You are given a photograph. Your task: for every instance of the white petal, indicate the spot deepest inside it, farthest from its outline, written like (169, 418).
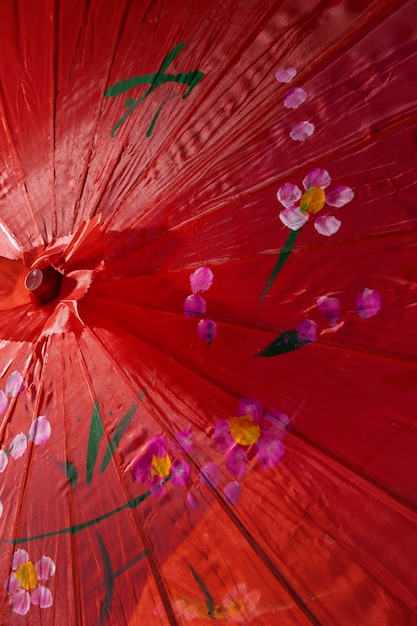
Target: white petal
(338, 196)
(302, 131)
(295, 97)
(285, 76)
(327, 225)
(317, 178)
(293, 218)
(289, 194)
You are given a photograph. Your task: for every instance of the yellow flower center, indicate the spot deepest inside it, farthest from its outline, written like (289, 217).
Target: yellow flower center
(312, 201)
(160, 466)
(26, 576)
(244, 431)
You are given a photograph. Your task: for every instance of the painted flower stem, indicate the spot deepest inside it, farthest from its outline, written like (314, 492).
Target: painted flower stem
(282, 257)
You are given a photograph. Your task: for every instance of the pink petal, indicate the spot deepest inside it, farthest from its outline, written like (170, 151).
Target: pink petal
(368, 303)
(222, 435)
(236, 461)
(293, 218)
(275, 424)
(3, 402)
(14, 384)
(42, 597)
(294, 98)
(317, 178)
(45, 568)
(19, 557)
(194, 306)
(158, 487)
(192, 501)
(40, 430)
(210, 475)
(327, 225)
(339, 196)
(288, 195)
(232, 492)
(1, 508)
(12, 584)
(142, 468)
(250, 406)
(302, 131)
(183, 439)
(180, 473)
(157, 446)
(201, 279)
(285, 76)
(331, 309)
(20, 602)
(18, 446)
(207, 330)
(269, 452)
(307, 331)
(4, 459)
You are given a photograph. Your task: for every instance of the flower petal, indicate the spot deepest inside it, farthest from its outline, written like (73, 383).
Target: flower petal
(331, 309)
(285, 76)
(20, 602)
(45, 568)
(269, 452)
(180, 473)
(192, 501)
(40, 430)
(210, 475)
(194, 306)
(317, 178)
(368, 303)
(307, 331)
(275, 424)
(236, 461)
(295, 97)
(289, 194)
(339, 196)
(42, 597)
(157, 446)
(222, 435)
(232, 492)
(183, 439)
(1, 508)
(18, 446)
(207, 330)
(14, 384)
(3, 402)
(19, 557)
(4, 459)
(302, 131)
(250, 406)
(201, 279)
(157, 487)
(327, 225)
(142, 468)
(293, 218)
(12, 584)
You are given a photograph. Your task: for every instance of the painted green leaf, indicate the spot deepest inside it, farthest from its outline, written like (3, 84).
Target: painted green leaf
(72, 473)
(203, 587)
(117, 436)
(286, 342)
(96, 433)
(282, 257)
(108, 581)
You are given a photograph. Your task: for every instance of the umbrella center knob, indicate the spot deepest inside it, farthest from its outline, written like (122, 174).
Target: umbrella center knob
(44, 284)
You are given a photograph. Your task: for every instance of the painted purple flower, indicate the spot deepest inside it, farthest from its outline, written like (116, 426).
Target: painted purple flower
(302, 131)
(201, 279)
(331, 309)
(40, 430)
(368, 303)
(285, 76)
(207, 330)
(295, 98)
(14, 384)
(298, 206)
(154, 466)
(23, 584)
(252, 432)
(194, 306)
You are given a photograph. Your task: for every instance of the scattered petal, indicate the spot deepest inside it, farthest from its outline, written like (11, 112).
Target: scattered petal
(222, 435)
(331, 309)
(368, 303)
(4, 459)
(317, 178)
(339, 196)
(19, 445)
(1, 508)
(40, 430)
(232, 492)
(302, 131)
(201, 279)
(269, 452)
(327, 225)
(180, 473)
(236, 461)
(14, 384)
(19, 557)
(192, 501)
(3, 402)
(307, 331)
(194, 306)
(20, 602)
(183, 439)
(275, 424)
(45, 568)
(210, 475)
(42, 597)
(207, 330)
(295, 98)
(293, 218)
(285, 76)
(250, 406)
(289, 194)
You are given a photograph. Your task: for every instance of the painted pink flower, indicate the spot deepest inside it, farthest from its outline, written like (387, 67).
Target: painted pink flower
(295, 98)
(154, 466)
(285, 76)
(240, 605)
(14, 384)
(302, 131)
(23, 584)
(251, 433)
(201, 279)
(298, 206)
(40, 430)
(368, 303)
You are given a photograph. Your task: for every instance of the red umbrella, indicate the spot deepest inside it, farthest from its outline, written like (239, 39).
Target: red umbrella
(207, 319)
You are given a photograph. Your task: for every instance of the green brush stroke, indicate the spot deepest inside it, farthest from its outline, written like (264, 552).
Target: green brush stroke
(108, 581)
(96, 433)
(72, 473)
(282, 257)
(207, 595)
(117, 436)
(286, 342)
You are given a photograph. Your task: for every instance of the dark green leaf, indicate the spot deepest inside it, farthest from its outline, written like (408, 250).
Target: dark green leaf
(96, 433)
(72, 473)
(286, 342)
(282, 257)
(203, 587)
(117, 436)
